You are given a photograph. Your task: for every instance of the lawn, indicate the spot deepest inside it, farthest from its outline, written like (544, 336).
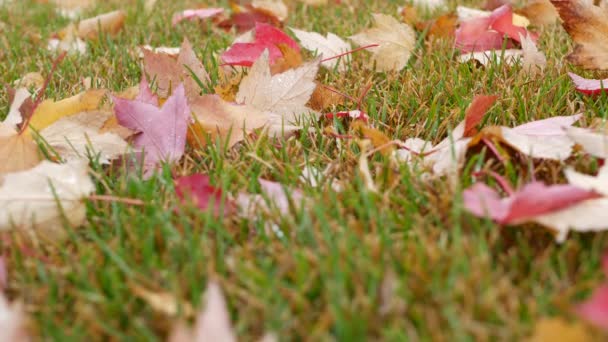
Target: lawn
(404, 263)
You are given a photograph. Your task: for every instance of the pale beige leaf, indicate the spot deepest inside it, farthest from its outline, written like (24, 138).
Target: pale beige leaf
(485, 58)
(12, 322)
(76, 136)
(328, 46)
(29, 199)
(533, 60)
(396, 42)
(163, 302)
(276, 7)
(594, 143)
(110, 23)
(284, 95)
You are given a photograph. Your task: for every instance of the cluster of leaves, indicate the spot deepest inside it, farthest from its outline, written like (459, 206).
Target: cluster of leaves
(269, 88)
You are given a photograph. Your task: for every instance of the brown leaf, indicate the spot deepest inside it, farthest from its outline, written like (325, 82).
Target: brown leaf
(291, 59)
(244, 18)
(442, 27)
(163, 302)
(377, 138)
(409, 15)
(558, 329)
(18, 152)
(540, 12)
(322, 98)
(110, 23)
(587, 24)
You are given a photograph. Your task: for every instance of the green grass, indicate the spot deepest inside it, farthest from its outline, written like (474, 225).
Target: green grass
(405, 264)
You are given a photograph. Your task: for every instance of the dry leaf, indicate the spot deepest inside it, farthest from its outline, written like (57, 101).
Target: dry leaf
(220, 119)
(110, 23)
(396, 42)
(328, 46)
(18, 152)
(212, 323)
(73, 137)
(587, 24)
(49, 111)
(557, 329)
(540, 12)
(592, 142)
(276, 7)
(283, 95)
(42, 197)
(163, 302)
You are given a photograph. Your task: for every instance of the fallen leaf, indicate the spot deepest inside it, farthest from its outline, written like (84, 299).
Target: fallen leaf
(443, 26)
(533, 60)
(266, 37)
(164, 302)
(328, 46)
(557, 329)
(486, 58)
(540, 12)
(199, 13)
(595, 309)
(197, 189)
(18, 152)
(273, 195)
(19, 98)
(230, 122)
(396, 42)
(430, 5)
(322, 99)
(487, 33)
(167, 72)
(467, 13)
(50, 111)
(546, 139)
(44, 196)
(75, 136)
(593, 142)
(275, 7)
(587, 24)
(212, 323)
(171, 51)
(13, 322)
(283, 95)
(162, 130)
(109, 23)
(588, 86)
(247, 17)
(291, 59)
(68, 41)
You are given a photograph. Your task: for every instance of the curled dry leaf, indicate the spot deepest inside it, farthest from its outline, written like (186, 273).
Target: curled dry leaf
(587, 24)
(199, 13)
(162, 130)
(45, 197)
(395, 42)
(588, 86)
(163, 302)
(328, 46)
(212, 323)
(283, 95)
(75, 136)
(109, 23)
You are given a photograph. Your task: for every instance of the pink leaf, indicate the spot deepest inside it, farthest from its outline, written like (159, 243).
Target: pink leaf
(533, 200)
(191, 14)
(487, 33)
(198, 190)
(162, 130)
(145, 94)
(595, 309)
(266, 37)
(588, 86)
